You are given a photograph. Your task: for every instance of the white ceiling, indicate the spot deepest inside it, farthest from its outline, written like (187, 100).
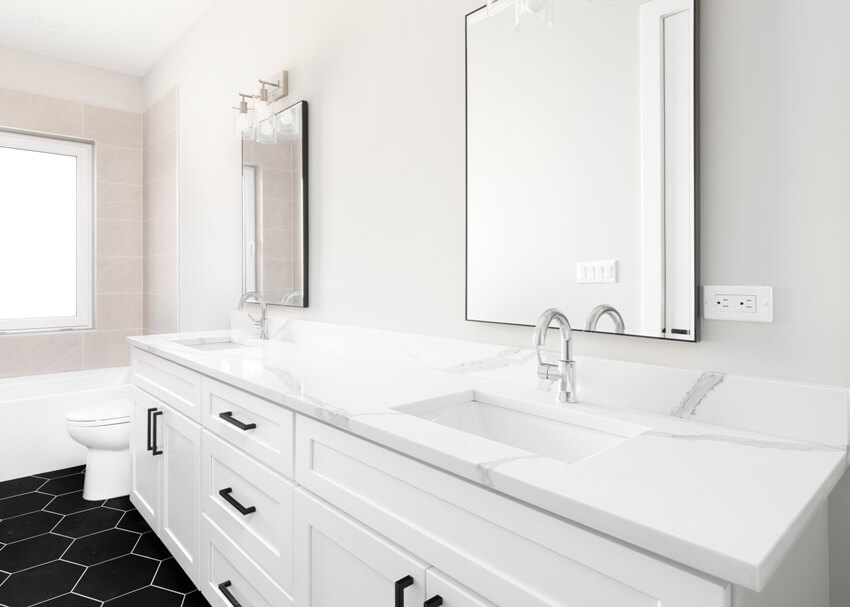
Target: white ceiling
(127, 36)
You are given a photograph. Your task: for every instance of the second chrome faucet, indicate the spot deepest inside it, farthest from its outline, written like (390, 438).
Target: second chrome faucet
(565, 370)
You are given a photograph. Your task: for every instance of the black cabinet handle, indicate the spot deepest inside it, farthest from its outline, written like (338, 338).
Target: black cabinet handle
(223, 588)
(154, 448)
(226, 494)
(400, 585)
(150, 442)
(228, 417)
(434, 601)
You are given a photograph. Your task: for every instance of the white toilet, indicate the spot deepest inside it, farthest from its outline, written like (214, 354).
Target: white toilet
(104, 428)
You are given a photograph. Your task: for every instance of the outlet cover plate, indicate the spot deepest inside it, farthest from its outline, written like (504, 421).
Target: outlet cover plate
(738, 303)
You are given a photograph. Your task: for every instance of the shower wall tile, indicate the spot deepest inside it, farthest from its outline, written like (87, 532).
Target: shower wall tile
(117, 138)
(112, 127)
(107, 348)
(41, 114)
(40, 353)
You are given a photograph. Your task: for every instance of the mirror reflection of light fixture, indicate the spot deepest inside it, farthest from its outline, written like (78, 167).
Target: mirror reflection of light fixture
(530, 14)
(256, 120)
(287, 124)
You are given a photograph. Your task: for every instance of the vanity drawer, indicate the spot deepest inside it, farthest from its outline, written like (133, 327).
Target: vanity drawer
(497, 547)
(174, 385)
(265, 533)
(226, 409)
(225, 568)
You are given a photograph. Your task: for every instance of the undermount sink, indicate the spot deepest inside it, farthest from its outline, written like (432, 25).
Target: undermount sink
(558, 433)
(209, 343)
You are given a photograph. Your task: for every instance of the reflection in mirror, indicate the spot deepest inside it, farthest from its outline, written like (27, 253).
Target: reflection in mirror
(274, 209)
(580, 167)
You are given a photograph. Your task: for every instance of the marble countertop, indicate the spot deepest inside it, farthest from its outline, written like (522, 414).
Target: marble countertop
(728, 502)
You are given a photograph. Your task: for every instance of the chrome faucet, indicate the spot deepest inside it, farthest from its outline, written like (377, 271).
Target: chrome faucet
(261, 324)
(565, 370)
(600, 311)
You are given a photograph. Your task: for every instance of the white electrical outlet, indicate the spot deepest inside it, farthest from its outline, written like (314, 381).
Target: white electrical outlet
(740, 303)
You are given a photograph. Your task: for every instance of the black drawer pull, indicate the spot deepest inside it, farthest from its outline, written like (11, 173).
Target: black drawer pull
(223, 588)
(228, 417)
(400, 585)
(226, 494)
(150, 442)
(434, 601)
(154, 448)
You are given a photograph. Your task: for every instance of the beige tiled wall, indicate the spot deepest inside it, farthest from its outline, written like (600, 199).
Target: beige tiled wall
(118, 232)
(160, 216)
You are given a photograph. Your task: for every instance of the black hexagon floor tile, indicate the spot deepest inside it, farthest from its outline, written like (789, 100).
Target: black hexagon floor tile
(71, 600)
(133, 521)
(195, 599)
(39, 583)
(116, 577)
(99, 547)
(120, 503)
(87, 522)
(71, 503)
(61, 473)
(63, 485)
(146, 597)
(34, 551)
(17, 486)
(27, 525)
(56, 548)
(22, 504)
(172, 577)
(150, 546)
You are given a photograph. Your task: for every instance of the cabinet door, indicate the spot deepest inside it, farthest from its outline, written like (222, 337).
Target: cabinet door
(181, 489)
(338, 562)
(443, 591)
(146, 467)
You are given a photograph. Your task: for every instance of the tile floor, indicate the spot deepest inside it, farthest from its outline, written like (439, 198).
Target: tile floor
(57, 550)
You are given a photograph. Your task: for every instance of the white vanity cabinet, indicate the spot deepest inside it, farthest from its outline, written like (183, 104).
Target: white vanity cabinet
(505, 552)
(166, 455)
(265, 507)
(166, 458)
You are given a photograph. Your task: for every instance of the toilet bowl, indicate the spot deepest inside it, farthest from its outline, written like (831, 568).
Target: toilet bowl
(104, 428)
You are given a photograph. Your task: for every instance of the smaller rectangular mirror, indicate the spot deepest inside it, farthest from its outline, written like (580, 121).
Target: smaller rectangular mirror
(274, 208)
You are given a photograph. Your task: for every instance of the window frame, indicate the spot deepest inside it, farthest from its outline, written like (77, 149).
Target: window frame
(83, 151)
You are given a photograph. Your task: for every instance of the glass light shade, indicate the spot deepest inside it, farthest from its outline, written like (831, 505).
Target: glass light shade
(534, 15)
(264, 110)
(243, 123)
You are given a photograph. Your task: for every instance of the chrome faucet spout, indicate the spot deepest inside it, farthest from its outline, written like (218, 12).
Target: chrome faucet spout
(260, 323)
(564, 371)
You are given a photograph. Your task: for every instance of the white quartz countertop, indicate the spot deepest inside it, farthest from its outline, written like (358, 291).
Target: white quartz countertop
(727, 502)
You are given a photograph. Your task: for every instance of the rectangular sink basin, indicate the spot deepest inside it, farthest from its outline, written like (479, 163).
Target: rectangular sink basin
(209, 343)
(549, 431)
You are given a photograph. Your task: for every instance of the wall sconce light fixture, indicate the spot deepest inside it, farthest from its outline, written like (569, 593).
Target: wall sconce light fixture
(255, 118)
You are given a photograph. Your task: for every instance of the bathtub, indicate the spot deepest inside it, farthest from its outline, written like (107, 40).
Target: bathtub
(32, 417)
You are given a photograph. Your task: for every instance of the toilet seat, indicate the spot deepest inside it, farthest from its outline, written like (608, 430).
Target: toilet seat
(107, 413)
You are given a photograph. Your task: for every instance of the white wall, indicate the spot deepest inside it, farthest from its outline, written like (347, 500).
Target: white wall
(385, 80)
(40, 75)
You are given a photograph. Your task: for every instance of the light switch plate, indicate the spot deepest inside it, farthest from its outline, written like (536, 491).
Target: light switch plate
(738, 303)
(596, 271)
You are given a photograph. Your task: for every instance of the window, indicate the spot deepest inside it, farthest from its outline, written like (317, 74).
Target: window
(45, 233)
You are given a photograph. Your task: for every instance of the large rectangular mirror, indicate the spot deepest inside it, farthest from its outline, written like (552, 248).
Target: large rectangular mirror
(274, 208)
(581, 165)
